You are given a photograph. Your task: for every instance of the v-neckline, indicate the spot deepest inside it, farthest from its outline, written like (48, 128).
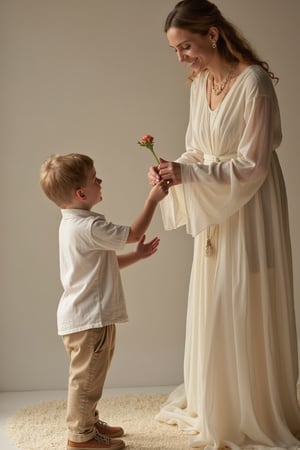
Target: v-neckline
(238, 78)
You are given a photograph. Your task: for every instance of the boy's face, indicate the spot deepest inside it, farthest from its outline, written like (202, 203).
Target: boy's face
(92, 193)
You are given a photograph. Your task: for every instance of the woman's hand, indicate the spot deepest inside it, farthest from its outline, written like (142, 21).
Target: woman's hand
(170, 172)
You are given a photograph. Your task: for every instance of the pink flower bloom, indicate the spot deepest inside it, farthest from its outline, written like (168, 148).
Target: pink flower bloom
(148, 141)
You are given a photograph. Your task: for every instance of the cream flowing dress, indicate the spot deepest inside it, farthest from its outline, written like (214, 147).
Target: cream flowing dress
(240, 363)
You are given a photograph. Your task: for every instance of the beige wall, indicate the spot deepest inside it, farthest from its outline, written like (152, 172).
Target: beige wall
(92, 76)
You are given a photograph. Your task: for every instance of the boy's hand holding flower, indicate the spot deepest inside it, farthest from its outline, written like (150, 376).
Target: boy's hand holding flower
(167, 171)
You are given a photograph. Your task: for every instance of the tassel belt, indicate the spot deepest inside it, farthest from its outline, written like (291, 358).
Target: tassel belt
(212, 230)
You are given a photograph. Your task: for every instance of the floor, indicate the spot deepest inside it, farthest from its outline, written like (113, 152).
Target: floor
(10, 402)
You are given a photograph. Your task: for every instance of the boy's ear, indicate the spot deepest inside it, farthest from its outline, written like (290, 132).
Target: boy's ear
(79, 194)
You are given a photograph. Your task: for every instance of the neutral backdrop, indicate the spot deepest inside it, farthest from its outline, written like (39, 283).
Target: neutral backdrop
(92, 76)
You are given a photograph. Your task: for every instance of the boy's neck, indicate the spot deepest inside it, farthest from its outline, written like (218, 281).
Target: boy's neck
(78, 205)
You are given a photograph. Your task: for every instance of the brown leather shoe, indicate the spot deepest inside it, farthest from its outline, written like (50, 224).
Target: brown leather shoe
(98, 441)
(107, 430)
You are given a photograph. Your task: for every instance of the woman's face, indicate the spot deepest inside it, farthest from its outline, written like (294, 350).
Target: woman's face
(191, 48)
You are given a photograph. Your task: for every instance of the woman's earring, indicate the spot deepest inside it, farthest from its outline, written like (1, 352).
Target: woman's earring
(214, 44)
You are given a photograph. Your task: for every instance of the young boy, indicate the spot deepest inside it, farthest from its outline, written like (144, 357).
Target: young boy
(93, 300)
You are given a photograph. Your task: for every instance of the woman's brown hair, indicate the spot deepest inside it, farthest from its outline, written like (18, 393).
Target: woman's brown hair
(198, 16)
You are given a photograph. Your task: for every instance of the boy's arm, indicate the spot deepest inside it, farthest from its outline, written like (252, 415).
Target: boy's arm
(143, 250)
(142, 222)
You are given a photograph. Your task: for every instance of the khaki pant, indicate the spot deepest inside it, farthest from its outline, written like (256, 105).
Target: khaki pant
(90, 354)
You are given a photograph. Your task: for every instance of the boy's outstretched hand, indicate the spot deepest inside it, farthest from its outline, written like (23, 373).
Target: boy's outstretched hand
(144, 250)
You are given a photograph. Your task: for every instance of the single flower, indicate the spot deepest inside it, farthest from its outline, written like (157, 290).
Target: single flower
(148, 142)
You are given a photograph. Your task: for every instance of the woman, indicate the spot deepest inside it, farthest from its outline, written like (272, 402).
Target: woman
(240, 365)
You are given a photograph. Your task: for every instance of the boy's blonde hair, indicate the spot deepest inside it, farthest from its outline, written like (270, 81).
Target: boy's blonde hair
(61, 175)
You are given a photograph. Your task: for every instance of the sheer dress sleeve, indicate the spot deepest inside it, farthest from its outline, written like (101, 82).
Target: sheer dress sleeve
(211, 192)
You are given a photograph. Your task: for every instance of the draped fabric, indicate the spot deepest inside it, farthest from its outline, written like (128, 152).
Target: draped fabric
(240, 363)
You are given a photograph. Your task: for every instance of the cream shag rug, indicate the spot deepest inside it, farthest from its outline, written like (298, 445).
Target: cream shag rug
(42, 426)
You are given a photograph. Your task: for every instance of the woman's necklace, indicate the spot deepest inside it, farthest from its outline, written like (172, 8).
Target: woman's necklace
(218, 88)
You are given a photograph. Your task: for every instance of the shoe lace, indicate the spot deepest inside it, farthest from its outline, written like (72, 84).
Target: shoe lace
(101, 438)
(104, 424)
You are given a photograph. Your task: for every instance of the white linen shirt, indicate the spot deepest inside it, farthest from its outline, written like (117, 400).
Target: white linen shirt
(93, 295)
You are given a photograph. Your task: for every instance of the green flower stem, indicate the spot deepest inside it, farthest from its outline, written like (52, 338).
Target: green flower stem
(149, 145)
(155, 156)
